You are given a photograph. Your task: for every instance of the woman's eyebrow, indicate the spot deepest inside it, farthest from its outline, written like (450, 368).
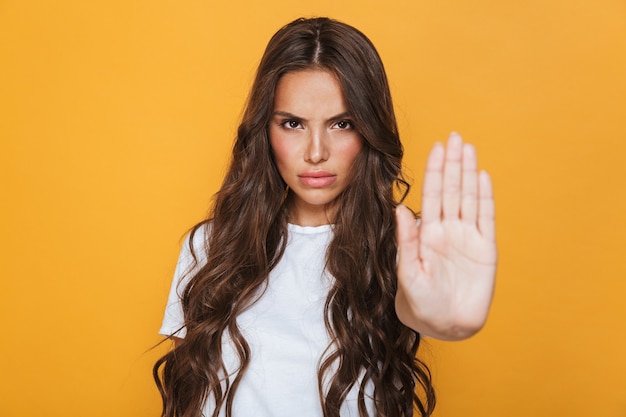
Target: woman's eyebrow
(344, 115)
(288, 115)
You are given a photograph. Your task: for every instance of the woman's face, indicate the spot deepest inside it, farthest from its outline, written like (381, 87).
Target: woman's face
(314, 142)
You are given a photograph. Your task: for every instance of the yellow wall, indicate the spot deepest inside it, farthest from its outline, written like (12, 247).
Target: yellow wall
(116, 118)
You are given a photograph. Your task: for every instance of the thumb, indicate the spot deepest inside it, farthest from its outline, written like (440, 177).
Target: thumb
(407, 237)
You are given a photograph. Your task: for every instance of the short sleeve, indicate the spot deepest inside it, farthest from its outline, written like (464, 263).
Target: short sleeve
(173, 319)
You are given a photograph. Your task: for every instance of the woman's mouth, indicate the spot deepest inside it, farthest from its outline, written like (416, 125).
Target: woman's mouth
(317, 178)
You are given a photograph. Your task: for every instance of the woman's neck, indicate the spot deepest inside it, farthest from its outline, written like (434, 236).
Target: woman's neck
(307, 215)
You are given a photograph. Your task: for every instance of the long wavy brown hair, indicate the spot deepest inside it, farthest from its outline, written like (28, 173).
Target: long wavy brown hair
(369, 345)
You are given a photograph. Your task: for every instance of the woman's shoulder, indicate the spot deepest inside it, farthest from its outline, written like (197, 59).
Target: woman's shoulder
(193, 251)
(198, 235)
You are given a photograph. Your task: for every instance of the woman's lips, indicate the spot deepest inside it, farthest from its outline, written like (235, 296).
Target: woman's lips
(317, 178)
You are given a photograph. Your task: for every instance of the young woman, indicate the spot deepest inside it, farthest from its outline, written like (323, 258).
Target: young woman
(307, 291)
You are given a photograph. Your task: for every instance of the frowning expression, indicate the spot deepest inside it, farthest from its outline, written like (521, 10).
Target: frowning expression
(314, 142)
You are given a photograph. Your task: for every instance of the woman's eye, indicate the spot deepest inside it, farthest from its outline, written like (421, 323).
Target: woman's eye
(291, 124)
(344, 125)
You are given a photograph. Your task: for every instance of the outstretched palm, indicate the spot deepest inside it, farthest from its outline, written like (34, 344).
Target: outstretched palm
(447, 262)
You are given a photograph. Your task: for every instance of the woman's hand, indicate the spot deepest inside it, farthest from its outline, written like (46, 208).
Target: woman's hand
(447, 262)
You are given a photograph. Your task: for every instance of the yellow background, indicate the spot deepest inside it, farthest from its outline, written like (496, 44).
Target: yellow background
(116, 119)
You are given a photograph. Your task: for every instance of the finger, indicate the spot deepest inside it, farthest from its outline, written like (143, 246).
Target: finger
(486, 207)
(406, 236)
(431, 190)
(452, 178)
(469, 185)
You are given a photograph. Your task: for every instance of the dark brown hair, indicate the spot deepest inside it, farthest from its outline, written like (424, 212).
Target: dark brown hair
(248, 236)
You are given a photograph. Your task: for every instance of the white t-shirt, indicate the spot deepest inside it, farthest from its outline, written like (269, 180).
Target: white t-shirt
(284, 328)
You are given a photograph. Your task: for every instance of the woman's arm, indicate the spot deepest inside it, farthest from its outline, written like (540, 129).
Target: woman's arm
(447, 262)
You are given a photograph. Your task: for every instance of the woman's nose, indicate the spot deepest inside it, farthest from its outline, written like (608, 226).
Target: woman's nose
(317, 148)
